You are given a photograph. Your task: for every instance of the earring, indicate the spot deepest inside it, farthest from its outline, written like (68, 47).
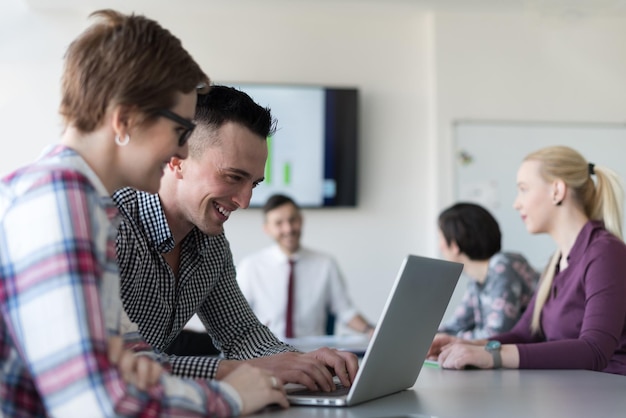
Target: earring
(557, 203)
(123, 143)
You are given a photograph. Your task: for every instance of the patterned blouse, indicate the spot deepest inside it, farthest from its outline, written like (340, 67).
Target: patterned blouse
(494, 306)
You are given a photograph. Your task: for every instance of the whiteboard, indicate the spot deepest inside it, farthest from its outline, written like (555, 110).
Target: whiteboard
(488, 154)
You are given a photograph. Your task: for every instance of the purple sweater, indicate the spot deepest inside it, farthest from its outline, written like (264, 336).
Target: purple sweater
(584, 318)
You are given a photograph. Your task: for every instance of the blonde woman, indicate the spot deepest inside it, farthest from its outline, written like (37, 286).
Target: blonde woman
(577, 318)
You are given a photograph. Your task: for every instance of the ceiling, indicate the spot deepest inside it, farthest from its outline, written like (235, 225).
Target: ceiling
(562, 8)
(468, 5)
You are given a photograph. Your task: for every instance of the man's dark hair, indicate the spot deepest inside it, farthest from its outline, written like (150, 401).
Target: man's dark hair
(223, 104)
(227, 104)
(473, 228)
(277, 200)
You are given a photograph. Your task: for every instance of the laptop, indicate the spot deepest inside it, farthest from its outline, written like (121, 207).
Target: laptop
(356, 343)
(407, 326)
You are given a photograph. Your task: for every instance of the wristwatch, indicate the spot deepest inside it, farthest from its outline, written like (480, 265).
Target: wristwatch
(494, 348)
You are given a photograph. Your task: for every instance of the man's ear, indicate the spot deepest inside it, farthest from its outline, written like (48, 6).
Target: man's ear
(176, 166)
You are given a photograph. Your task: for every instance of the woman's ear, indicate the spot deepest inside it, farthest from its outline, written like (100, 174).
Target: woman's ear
(454, 248)
(121, 119)
(559, 190)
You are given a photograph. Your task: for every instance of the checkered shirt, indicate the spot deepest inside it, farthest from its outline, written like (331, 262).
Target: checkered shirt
(160, 305)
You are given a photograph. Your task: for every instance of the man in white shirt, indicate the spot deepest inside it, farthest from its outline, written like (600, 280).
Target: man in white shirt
(318, 287)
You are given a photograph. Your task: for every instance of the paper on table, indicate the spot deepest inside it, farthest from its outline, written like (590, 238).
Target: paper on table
(431, 363)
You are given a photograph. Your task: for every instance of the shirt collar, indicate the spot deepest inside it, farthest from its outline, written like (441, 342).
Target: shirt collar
(281, 257)
(584, 239)
(61, 154)
(158, 231)
(65, 156)
(155, 223)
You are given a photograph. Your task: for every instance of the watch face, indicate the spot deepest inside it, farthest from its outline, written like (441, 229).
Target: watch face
(492, 345)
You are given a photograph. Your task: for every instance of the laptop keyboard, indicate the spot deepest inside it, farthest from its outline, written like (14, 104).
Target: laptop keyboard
(341, 390)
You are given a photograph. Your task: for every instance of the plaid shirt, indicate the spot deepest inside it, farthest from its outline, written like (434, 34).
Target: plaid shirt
(59, 299)
(159, 305)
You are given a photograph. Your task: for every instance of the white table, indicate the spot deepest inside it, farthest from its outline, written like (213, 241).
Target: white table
(489, 393)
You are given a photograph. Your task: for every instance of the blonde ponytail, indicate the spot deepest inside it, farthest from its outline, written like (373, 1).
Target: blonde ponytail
(543, 291)
(609, 203)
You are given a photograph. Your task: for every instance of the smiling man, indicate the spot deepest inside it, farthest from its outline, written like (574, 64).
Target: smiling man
(291, 288)
(175, 260)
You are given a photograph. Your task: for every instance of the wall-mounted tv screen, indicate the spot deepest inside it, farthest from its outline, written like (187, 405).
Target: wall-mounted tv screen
(312, 156)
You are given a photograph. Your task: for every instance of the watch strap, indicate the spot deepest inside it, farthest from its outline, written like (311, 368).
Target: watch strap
(497, 359)
(494, 348)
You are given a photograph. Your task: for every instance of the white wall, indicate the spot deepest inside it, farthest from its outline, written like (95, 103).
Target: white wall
(418, 72)
(31, 51)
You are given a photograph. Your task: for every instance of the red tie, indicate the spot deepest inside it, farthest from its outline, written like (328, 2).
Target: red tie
(290, 303)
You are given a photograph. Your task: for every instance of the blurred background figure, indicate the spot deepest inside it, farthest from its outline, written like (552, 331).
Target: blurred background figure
(295, 290)
(501, 283)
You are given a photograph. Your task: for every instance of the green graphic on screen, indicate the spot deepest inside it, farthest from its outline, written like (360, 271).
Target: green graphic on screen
(286, 169)
(268, 163)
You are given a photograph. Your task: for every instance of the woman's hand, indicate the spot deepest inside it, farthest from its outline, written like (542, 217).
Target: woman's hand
(137, 370)
(464, 354)
(257, 388)
(438, 343)
(460, 356)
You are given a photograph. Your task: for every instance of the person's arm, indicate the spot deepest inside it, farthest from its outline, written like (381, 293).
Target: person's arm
(360, 324)
(235, 328)
(59, 301)
(460, 355)
(520, 333)
(227, 318)
(457, 353)
(341, 304)
(243, 339)
(140, 371)
(602, 323)
(463, 320)
(500, 304)
(340, 301)
(601, 330)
